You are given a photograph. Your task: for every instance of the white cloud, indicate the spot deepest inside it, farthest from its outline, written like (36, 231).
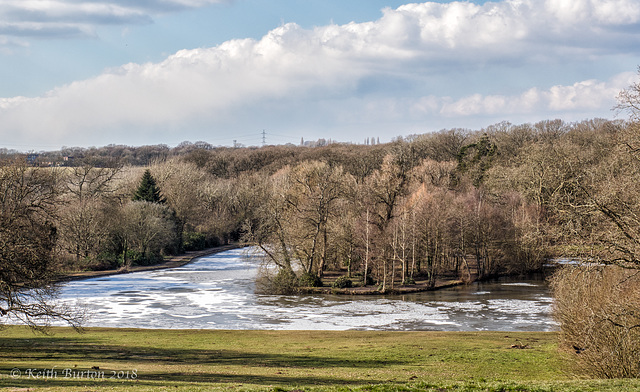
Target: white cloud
(581, 97)
(78, 18)
(410, 30)
(612, 12)
(323, 70)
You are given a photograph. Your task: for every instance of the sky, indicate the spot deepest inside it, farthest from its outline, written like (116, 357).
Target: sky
(82, 73)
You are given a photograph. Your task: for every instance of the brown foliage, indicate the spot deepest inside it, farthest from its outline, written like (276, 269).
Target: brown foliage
(598, 311)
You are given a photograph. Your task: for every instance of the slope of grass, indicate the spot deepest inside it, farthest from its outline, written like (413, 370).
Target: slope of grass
(197, 360)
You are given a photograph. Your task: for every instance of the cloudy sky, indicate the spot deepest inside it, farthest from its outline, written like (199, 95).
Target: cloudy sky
(98, 72)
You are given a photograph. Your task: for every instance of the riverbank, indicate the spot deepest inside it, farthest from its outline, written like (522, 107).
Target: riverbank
(169, 262)
(330, 277)
(418, 287)
(104, 359)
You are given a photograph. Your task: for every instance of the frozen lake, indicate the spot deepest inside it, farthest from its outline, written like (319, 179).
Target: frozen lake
(217, 292)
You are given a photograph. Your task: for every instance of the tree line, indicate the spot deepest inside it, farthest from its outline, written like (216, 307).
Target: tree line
(455, 203)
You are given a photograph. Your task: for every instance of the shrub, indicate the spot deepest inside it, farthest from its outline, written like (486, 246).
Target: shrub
(598, 312)
(359, 277)
(370, 281)
(194, 241)
(283, 282)
(138, 258)
(342, 282)
(106, 261)
(309, 279)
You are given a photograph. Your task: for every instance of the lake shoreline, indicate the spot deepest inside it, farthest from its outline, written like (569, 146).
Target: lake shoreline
(178, 261)
(373, 290)
(170, 262)
(218, 292)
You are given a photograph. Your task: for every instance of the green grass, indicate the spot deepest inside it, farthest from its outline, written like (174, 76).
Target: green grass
(196, 360)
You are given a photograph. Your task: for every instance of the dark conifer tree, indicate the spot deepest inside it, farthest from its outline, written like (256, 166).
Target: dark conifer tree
(148, 190)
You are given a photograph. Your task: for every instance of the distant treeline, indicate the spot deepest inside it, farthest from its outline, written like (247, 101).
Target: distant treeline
(147, 155)
(455, 203)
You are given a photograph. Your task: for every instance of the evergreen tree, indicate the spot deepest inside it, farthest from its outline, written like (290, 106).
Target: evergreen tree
(148, 190)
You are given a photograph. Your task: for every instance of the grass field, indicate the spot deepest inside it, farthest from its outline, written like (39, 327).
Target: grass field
(197, 360)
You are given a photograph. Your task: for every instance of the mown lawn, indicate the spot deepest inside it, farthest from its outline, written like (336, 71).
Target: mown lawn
(197, 360)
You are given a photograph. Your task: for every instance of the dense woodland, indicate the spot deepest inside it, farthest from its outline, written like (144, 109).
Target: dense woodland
(455, 203)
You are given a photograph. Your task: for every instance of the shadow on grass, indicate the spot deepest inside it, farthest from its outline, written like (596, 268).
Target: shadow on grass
(105, 377)
(165, 379)
(86, 351)
(81, 354)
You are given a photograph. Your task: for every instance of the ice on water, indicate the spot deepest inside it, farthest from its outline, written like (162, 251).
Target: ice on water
(217, 292)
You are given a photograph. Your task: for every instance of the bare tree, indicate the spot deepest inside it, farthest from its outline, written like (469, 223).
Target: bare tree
(270, 230)
(386, 188)
(313, 195)
(89, 180)
(145, 228)
(629, 100)
(294, 222)
(183, 185)
(83, 214)
(84, 226)
(597, 306)
(28, 199)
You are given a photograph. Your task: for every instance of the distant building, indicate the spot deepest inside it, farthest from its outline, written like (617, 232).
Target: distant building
(32, 159)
